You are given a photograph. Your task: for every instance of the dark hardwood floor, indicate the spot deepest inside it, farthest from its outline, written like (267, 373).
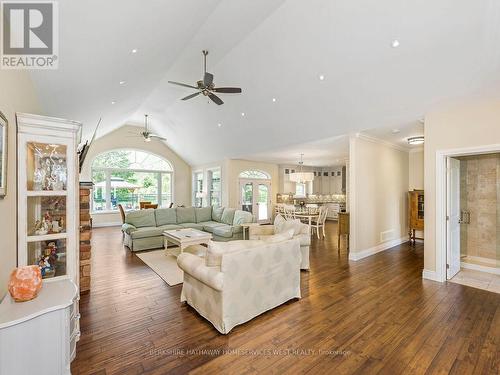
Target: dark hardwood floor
(376, 315)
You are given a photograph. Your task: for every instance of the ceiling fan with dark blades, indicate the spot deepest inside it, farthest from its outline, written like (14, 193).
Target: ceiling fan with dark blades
(206, 86)
(146, 134)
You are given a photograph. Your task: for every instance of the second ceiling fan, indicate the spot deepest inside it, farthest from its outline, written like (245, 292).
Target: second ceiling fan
(206, 86)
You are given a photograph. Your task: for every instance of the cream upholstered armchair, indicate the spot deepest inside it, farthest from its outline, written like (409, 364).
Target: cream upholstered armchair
(239, 280)
(301, 232)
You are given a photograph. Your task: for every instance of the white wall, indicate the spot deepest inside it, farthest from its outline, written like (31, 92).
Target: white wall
(122, 138)
(416, 175)
(17, 94)
(472, 124)
(378, 196)
(416, 169)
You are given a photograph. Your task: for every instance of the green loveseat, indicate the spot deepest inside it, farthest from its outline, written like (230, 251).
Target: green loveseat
(143, 229)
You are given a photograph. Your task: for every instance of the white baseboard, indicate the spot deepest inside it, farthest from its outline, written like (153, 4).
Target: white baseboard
(489, 261)
(431, 275)
(358, 255)
(477, 267)
(102, 225)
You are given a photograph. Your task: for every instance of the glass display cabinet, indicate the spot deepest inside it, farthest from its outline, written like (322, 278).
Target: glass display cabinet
(48, 195)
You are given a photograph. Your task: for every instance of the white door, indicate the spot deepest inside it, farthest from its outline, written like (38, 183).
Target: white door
(255, 197)
(453, 216)
(263, 202)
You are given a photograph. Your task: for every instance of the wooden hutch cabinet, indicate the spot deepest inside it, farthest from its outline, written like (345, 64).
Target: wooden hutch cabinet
(415, 213)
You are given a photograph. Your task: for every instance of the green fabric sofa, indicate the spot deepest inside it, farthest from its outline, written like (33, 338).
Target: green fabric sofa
(143, 229)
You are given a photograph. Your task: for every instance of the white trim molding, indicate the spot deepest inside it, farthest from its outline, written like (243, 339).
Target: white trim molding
(430, 275)
(358, 255)
(392, 145)
(441, 199)
(477, 267)
(112, 224)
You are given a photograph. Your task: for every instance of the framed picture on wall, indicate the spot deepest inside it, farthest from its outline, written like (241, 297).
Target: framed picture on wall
(3, 155)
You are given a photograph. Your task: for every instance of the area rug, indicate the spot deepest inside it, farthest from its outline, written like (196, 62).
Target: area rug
(165, 266)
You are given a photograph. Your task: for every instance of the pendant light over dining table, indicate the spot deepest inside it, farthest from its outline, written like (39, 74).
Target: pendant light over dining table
(301, 176)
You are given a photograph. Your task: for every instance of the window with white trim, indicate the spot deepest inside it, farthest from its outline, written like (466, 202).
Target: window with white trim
(254, 174)
(198, 189)
(215, 187)
(128, 177)
(300, 189)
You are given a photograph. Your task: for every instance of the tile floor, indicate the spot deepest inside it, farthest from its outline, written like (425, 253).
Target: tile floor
(478, 279)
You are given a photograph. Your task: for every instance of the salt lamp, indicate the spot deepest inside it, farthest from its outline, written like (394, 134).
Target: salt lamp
(25, 283)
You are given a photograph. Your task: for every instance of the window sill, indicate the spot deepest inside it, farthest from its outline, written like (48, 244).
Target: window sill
(105, 212)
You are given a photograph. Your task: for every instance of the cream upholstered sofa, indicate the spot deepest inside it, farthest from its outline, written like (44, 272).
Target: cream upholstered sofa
(301, 232)
(246, 279)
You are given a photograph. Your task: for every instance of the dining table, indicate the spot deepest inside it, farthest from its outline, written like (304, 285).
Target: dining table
(307, 216)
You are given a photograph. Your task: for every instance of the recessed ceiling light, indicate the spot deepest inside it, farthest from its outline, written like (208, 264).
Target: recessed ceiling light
(242, 114)
(274, 100)
(416, 140)
(134, 50)
(395, 131)
(113, 102)
(122, 82)
(219, 124)
(395, 43)
(321, 77)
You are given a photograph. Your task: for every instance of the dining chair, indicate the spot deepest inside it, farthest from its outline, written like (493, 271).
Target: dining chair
(146, 206)
(122, 215)
(289, 212)
(143, 203)
(319, 222)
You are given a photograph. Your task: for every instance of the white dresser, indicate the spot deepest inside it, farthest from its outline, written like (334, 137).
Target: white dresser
(39, 336)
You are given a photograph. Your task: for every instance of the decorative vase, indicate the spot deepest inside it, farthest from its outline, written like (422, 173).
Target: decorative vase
(25, 283)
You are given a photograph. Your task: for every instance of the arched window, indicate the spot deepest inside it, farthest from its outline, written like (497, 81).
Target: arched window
(128, 177)
(253, 174)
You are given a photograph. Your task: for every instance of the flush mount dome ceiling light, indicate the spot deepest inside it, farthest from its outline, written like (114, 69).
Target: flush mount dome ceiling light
(416, 140)
(301, 176)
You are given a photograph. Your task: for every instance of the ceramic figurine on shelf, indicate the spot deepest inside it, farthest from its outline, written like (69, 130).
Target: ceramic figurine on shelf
(38, 226)
(55, 226)
(38, 179)
(51, 251)
(42, 226)
(45, 267)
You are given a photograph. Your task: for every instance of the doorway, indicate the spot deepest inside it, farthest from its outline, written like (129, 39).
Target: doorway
(255, 197)
(473, 220)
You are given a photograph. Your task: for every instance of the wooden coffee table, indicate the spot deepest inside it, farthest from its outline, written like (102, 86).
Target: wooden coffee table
(184, 238)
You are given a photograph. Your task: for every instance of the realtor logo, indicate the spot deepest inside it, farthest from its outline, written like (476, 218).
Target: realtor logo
(29, 35)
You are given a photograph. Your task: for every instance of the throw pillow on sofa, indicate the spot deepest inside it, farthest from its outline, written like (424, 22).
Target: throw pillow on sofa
(185, 215)
(228, 216)
(216, 250)
(203, 214)
(141, 218)
(217, 214)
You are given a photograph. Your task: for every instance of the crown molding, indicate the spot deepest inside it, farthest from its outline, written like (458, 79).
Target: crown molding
(392, 145)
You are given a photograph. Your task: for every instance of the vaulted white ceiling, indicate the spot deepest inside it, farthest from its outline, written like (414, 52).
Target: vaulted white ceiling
(272, 49)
